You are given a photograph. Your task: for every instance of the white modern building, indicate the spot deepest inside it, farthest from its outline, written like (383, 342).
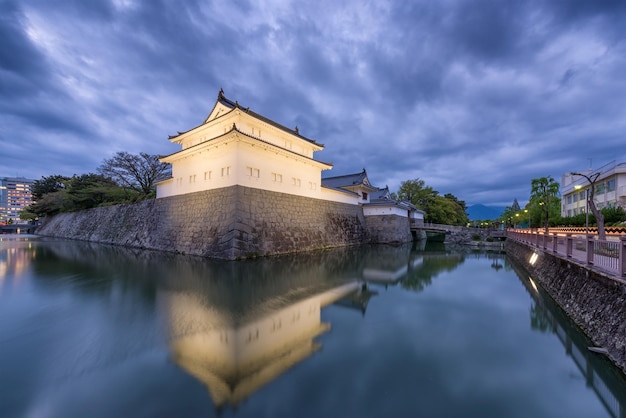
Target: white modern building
(610, 189)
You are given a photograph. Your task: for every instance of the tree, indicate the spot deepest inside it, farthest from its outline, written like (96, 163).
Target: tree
(445, 209)
(137, 172)
(48, 184)
(591, 204)
(545, 194)
(92, 190)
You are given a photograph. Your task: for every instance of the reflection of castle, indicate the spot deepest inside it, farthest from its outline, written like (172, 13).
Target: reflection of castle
(234, 358)
(384, 265)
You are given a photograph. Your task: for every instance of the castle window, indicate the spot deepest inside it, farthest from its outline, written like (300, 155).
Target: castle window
(207, 175)
(278, 178)
(295, 181)
(253, 172)
(225, 171)
(364, 196)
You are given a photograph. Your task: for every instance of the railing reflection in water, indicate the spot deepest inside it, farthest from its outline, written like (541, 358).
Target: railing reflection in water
(607, 383)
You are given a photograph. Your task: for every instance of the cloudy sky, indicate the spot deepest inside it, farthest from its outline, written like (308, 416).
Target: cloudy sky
(475, 97)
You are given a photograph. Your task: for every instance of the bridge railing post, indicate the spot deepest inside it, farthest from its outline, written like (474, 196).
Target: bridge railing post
(569, 245)
(622, 256)
(555, 242)
(590, 248)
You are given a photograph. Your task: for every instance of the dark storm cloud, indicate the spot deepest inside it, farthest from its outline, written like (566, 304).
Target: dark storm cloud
(474, 97)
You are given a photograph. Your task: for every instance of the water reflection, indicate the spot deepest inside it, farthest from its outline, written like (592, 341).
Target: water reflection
(605, 380)
(108, 320)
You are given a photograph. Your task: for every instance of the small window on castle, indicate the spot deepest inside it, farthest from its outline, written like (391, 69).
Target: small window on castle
(249, 171)
(364, 196)
(256, 172)
(296, 181)
(278, 178)
(207, 175)
(225, 171)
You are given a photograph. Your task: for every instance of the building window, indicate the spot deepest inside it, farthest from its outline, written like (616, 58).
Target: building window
(582, 195)
(278, 178)
(296, 181)
(569, 212)
(253, 172)
(576, 197)
(364, 196)
(225, 171)
(192, 178)
(610, 185)
(569, 199)
(207, 175)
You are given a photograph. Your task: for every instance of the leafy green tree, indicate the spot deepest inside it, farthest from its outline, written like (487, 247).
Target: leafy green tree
(445, 209)
(613, 215)
(545, 195)
(91, 190)
(48, 184)
(138, 172)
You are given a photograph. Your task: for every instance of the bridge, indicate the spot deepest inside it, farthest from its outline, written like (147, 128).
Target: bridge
(442, 230)
(17, 229)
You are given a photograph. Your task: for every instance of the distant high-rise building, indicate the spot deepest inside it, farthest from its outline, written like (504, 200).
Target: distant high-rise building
(15, 195)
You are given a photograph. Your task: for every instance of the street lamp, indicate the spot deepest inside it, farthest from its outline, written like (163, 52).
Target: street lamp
(526, 212)
(589, 195)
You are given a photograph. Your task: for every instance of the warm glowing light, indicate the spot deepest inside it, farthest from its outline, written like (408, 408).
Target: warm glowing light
(533, 259)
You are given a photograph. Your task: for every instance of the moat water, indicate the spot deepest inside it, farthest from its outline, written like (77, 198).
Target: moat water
(98, 331)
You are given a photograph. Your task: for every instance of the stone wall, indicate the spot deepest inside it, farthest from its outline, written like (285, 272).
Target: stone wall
(228, 223)
(595, 301)
(389, 229)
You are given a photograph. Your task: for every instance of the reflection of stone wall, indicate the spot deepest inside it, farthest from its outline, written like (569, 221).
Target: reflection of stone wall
(593, 300)
(233, 222)
(389, 229)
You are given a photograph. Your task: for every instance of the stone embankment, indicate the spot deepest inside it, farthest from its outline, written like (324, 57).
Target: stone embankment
(229, 223)
(594, 300)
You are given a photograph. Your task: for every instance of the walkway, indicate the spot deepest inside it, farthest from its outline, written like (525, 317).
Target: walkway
(608, 256)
